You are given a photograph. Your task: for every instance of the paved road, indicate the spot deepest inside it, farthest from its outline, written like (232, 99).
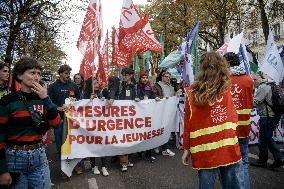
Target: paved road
(165, 172)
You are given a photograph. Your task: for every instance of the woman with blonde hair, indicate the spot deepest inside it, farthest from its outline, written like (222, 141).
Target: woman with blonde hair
(212, 143)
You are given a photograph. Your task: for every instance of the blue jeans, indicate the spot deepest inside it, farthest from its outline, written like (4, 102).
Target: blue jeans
(32, 166)
(245, 160)
(231, 177)
(267, 126)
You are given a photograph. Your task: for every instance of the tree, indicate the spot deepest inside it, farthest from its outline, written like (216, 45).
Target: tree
(176, 18)
(30, 27)
(264, 11)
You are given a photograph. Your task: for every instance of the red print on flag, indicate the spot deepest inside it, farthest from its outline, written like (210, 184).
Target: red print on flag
(90, 35)
(120, 58)
(101, 74)
(136, 34)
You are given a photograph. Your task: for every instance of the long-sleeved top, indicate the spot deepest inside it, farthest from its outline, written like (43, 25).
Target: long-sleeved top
(128, 91)
(16, 123)
(164, 90)
(145, 90)
(59, 91)
(261, 98)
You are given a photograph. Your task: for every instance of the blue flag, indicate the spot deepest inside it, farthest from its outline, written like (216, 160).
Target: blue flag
(191, 55)
(244, 58)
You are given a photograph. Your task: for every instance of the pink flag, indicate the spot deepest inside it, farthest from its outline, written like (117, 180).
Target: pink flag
(90, 35)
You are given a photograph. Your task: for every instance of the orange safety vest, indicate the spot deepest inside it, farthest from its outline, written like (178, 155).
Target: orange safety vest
(210, 132)
(242, 93)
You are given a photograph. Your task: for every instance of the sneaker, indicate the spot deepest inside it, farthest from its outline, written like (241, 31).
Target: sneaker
(259, 164)
(96, 170)
(123, 168)
(152, 159)
(130, 164)
(276, 164)
(104, 171)
(156, 150)
(168, 152)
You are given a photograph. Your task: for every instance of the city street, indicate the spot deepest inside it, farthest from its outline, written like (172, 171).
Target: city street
(165, 172)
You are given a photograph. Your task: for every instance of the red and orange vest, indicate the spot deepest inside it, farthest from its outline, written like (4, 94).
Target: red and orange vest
(210, 132)
(242, 94)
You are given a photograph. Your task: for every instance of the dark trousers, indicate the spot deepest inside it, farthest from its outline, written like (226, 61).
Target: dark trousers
(267, 126)
(95, 163)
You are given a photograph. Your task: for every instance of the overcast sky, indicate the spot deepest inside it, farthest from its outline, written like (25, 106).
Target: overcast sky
(110, 13)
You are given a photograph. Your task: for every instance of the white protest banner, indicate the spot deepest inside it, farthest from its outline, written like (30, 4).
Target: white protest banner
(96, 130)
(278, 134)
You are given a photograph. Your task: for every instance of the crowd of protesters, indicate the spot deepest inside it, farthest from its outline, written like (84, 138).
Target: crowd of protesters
(215, 146)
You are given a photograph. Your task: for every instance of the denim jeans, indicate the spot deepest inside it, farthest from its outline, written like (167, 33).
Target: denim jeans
(231, 177)
(32, 166)
(245, 160)
(267, 126)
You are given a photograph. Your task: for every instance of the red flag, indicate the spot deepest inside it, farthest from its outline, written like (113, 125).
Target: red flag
(101, 74)
(120, 58)
(104, 53)
(141, 41)
(90, 35)
(103, 64)
(136, 34)
(86, 70)
(130, 19)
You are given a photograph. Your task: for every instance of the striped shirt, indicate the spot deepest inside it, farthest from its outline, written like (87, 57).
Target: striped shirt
(16, 122)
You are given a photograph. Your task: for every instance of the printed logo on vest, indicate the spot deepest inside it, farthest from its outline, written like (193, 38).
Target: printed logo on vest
(219, 111)
(235, 92)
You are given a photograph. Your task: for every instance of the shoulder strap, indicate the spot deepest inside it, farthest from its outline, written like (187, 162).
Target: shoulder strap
(23, 98)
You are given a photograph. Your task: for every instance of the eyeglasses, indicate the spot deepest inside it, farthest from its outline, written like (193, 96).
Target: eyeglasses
(166, 76)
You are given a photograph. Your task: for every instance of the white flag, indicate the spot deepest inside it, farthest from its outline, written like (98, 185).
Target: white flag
(237, 46)
(272, 64)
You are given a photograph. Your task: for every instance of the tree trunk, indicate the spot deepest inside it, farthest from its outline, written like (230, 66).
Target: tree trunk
(14, 31)
(264, 19)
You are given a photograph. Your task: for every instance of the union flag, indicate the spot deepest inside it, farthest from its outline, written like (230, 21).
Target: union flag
(90, 36)
(136, 34)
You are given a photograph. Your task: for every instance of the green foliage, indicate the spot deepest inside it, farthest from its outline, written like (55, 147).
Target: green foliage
(31, 27)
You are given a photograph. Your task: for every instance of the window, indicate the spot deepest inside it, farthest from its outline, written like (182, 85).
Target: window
(276, 29)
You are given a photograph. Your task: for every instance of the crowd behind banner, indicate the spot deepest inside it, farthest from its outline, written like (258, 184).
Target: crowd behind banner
(85, 119)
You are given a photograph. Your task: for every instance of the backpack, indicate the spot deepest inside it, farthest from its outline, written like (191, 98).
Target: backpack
(277, 99)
